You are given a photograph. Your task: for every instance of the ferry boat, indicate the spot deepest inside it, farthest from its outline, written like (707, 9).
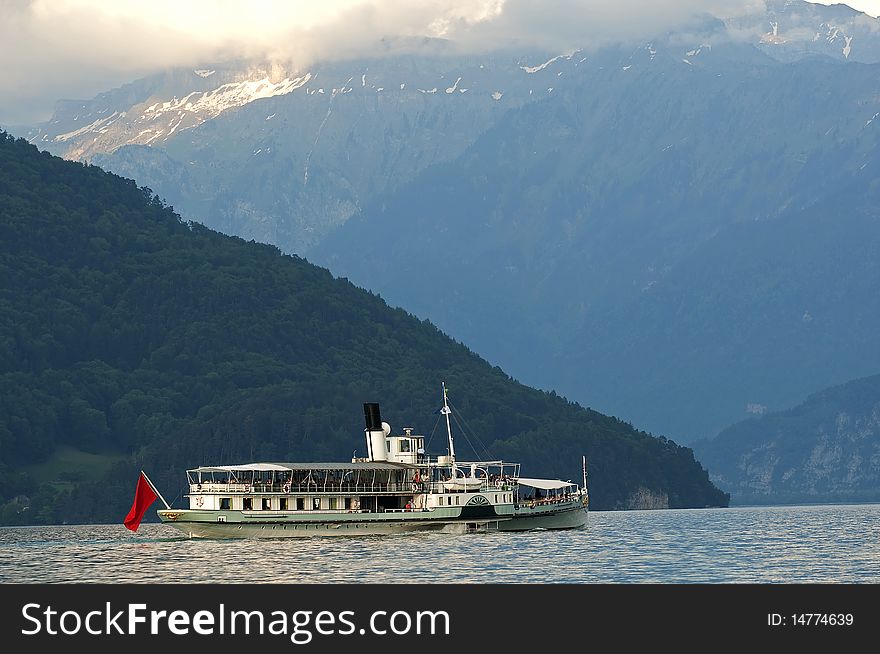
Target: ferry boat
(396, 488)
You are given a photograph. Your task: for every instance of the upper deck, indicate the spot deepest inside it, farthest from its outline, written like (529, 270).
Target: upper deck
(361, 477)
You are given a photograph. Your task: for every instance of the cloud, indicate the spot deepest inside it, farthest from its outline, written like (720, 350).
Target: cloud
(61, 49)
(567, 24)
(870, 7)
(51, 49)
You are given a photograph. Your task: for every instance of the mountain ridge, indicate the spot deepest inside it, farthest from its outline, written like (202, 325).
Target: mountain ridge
(824, 449)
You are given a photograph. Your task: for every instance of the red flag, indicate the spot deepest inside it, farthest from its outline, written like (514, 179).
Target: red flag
(144, 495)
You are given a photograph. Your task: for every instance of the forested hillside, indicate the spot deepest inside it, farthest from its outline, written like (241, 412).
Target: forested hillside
(132, 339)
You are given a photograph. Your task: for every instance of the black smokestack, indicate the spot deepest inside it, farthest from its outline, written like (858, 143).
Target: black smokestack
(372, 417)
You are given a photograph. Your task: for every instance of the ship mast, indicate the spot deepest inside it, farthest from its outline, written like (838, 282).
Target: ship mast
(584, 460)
(446, 411)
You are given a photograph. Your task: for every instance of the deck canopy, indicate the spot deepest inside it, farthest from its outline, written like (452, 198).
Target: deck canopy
(544, 484)
(287, 467)
(360, 477)
(251, 467)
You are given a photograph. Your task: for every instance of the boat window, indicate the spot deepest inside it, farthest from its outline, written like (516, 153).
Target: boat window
(282, 504)
(316, 503)
(404, 445)
(247, 503)
(224, 503)
(267, 504)
(300, 504)
(333, 503)
(496, 499)
(457, 499)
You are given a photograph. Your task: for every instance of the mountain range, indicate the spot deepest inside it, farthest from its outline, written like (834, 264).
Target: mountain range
(678, 231)
(825, 449)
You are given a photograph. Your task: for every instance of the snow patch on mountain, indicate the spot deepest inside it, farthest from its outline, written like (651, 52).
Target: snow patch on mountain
(179, 121)
(235, 94)
(773, 36)
(154, 137)
(93, 126)
(159, 118)
(698, 50)
(453, 88)
(539, 68)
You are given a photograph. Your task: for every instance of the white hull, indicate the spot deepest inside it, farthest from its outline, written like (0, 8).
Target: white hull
(202, 526)
(220, 531)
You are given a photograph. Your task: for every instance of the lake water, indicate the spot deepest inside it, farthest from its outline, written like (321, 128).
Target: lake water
(791, 544)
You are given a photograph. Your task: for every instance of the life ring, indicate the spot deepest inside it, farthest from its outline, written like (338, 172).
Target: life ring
(199, 488)
(286, 488)
(247, 488)
(415, 487)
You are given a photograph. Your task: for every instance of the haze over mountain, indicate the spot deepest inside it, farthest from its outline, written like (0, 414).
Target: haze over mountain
(77, 48)
(675, 229)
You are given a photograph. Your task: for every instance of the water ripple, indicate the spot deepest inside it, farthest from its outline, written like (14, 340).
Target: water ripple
(808, 544)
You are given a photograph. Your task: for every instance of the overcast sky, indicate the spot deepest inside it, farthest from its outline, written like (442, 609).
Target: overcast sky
(52, 49)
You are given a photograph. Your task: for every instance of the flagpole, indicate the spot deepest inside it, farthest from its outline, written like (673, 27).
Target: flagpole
(155, 490)
(446, 411)
(586, 492)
